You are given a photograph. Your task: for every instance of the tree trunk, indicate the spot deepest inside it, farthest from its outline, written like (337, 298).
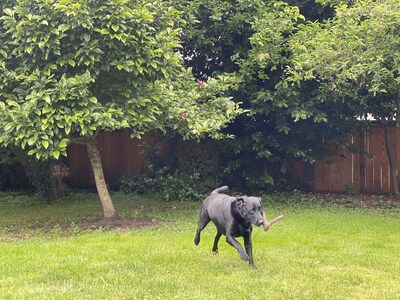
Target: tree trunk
(392, 160)
(102, 190)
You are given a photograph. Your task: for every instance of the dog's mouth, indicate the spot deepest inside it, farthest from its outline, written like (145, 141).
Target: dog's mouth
(258, 223)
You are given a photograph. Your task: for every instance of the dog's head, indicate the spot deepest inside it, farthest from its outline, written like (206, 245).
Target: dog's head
(250, 209)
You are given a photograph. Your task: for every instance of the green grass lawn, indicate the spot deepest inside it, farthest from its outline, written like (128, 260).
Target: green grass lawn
(319, 251)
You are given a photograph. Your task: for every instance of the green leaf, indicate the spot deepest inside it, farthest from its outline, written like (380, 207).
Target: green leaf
(45, 144)
(86, 37)
(8, 12)
(56, 154)
(31, 141)
(46, 109)
(47, 99)
(71, 62)
(29, 49)
(32, 151)
(63, 143)
(8, 126)
(63, 27)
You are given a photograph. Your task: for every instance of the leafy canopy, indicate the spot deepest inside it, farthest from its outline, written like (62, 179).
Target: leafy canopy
(70, 68)
(250, 41)
(354, 57)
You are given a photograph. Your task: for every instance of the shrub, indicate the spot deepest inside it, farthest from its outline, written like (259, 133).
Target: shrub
(350, 189)
(7, 177)
(185, 179)
(142, 183)
(170, 183)
(39, 173)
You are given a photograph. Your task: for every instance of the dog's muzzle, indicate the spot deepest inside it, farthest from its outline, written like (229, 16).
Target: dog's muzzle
(259, 222)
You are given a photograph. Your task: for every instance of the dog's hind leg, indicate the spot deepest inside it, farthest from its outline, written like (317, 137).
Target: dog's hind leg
(204, 219)
(216, 240)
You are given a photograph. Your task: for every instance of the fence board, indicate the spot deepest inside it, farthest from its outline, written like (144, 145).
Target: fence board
(338, 170)
(78, 162)
(377, 166)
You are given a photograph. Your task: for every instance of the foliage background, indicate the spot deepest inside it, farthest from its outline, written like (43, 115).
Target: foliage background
(294, 67)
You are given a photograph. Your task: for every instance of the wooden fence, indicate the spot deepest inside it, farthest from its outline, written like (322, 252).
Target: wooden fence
(368, 174)
(120, 155)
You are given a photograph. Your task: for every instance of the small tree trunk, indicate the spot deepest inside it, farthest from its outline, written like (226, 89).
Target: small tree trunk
(392, 160)
(102, 190)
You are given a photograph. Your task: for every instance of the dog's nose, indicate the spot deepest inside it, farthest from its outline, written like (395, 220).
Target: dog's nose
(259, 222)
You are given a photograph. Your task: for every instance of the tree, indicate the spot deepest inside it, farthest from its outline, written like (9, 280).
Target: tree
(354, 60)
(249, 40)
(72, 68)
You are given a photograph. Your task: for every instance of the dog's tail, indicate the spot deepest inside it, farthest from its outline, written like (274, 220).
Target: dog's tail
(219, 190)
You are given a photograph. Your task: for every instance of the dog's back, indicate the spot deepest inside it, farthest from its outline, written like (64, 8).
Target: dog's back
(216, 197)
(217, 206)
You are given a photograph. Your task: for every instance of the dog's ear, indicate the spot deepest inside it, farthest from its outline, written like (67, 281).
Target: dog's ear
(238, 205)
(240, 202)
(261, 204)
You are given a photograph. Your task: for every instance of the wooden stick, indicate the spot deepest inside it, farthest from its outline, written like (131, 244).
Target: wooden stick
(270, 223)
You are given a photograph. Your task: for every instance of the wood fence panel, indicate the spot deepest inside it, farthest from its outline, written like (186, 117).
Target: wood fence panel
(338, 170)
(298, 169)
(356, 161)
(303, 174)
(113, 154)
(120, 154)
(79, 164)
(377, 176)
(133, 155)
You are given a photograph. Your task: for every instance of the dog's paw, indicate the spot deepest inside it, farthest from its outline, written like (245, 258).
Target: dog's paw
(253, 266)
(244, 256)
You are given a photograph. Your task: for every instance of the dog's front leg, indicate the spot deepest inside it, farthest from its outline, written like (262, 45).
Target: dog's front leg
(248, 244)
(234, 243)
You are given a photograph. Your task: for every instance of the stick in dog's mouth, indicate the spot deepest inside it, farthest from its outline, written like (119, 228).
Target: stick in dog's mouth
(270, 223)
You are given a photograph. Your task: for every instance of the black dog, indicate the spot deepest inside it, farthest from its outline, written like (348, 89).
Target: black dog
(233, 217)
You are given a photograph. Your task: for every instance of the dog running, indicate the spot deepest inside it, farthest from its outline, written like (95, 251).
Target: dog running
(233, 217)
